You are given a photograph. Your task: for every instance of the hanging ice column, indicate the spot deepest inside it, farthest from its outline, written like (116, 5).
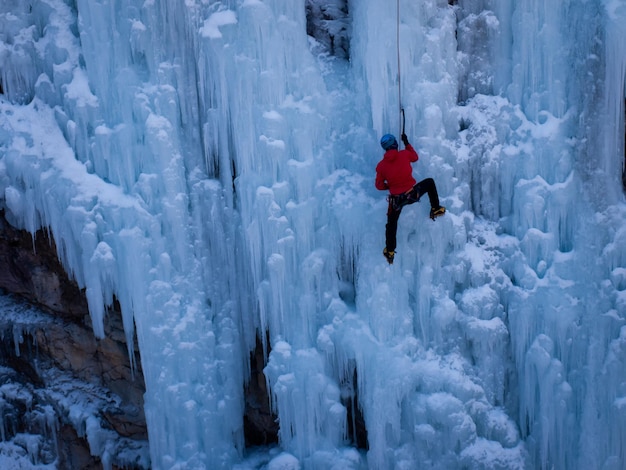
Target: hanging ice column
(553, 165)
(604, 415)
(614, 145)
(264, 104)
(187, 311)
(127, 202)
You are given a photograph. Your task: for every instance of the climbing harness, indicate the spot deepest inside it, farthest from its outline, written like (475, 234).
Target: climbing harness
(398, 201)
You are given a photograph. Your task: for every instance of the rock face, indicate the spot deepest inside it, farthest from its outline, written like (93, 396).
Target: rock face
(31, 270)
(328, 21)
(57, 362)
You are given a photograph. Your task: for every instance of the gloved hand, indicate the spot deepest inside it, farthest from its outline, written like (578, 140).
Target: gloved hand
(405, 139)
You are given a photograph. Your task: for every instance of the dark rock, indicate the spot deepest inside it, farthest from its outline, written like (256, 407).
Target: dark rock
(260, 424)
(31, 269)
(63, 339)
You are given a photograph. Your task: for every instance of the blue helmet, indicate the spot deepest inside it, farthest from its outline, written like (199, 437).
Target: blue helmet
(388, 141)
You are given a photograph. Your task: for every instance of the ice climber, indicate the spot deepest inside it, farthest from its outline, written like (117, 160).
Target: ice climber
(394, 172)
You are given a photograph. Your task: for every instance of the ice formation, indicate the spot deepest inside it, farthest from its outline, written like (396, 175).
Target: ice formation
(210, 166)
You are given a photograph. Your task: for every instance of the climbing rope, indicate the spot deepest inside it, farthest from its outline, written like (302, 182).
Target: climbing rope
(401, 109)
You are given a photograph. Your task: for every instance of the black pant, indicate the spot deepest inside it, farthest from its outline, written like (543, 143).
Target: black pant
(397, 202)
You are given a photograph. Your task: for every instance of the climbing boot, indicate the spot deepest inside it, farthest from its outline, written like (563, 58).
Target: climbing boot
(388, 255)
(434, 213)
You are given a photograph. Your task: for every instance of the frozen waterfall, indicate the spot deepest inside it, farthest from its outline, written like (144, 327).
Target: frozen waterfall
(210, 165)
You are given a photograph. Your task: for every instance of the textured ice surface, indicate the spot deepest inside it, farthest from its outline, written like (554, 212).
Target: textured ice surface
(212, 168)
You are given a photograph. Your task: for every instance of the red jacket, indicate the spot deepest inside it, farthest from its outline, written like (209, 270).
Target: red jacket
(394, 171)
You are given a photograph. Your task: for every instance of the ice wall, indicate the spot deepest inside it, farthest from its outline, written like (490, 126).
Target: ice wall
(557, 186)
(212, 169)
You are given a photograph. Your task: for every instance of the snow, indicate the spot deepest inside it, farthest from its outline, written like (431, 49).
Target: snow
(212, 170)
(211, 28)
